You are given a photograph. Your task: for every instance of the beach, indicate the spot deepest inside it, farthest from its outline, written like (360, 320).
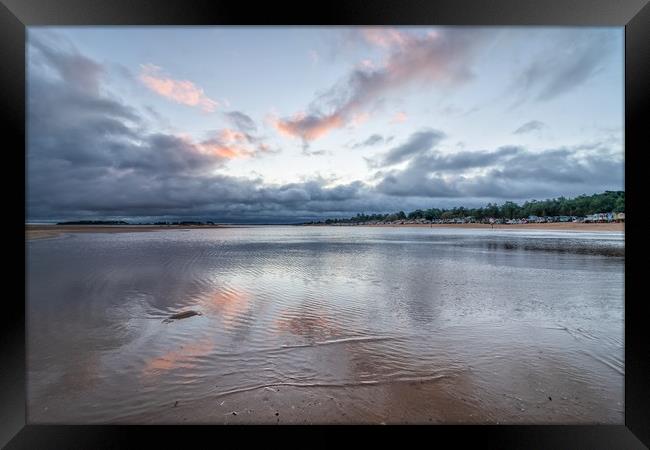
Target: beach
(48, 231)
(556, 226)
(331, 325)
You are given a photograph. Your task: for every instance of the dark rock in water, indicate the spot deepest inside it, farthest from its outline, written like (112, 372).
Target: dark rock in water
(181, 315)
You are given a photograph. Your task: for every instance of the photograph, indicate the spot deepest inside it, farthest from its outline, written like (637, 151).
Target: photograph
(325, 225)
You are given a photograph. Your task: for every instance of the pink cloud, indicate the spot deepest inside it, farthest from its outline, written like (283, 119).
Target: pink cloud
(307, 127)
(231, 136)
(224, 151)
(179, 91)
(229, 144)
(442, 57)
(385, 37)
(399, 117)
(225, 145)
(360, 118)
(232, 144)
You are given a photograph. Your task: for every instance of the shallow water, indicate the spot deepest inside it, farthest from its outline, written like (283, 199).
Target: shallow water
(513, 326)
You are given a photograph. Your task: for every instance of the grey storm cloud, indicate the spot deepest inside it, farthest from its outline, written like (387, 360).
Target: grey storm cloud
(533, 125)
(76, 70)
(419, 142)
(438, 162)
(569, 61)
(504, 173)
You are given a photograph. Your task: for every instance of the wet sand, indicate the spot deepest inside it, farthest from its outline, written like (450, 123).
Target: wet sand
(561, 226)
(395, 403)
(48, 231)
(326, 326)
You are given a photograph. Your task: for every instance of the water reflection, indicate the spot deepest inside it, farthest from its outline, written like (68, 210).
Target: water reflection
(388, 324)
(313, 325)
(184, 357)
(230, 307)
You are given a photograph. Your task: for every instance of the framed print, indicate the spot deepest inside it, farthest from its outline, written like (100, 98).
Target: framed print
(413, 214)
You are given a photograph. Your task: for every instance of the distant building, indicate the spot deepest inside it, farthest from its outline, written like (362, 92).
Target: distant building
(600, 218)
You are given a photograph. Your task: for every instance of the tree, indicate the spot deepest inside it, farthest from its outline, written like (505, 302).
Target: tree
(609, 201)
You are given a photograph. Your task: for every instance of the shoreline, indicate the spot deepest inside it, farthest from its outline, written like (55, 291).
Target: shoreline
(34, 232)
(557, 226)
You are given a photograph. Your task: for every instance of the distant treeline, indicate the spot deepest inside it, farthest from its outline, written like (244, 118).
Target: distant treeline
(608, 201)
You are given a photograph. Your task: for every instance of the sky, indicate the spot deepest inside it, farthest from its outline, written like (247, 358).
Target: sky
(289, 124)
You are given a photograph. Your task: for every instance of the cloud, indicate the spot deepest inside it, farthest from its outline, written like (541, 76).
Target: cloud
(442, 57)
(505, 173)
(180, 91)
(385, 37)
(307, 152)
(533, 125)
(79, 72)
(372, 140)
(228, 143)
(88, 153)
(460, 161)
(419, 142)
(307, 126)
(571, 58)
(241, 121)
(359, 119)
(244, 136)
(91, 155)
(399, 117)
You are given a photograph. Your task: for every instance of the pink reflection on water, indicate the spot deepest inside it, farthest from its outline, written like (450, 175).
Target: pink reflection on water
(182, 357)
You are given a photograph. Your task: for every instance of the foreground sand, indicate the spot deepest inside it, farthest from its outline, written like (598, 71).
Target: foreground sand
(415, 402)
(48, 231)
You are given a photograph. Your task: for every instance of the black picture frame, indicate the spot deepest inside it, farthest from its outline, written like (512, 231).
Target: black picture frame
(634, 15)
